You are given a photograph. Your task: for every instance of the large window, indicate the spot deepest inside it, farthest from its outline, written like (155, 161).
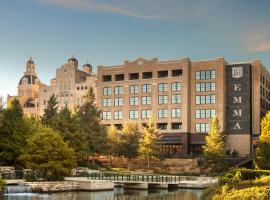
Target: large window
(146, 88)
(119, 77)
(205, 113)
(206, 99)
(177, 72)
(162, 99)
(118, 101)
(133, 114)
(147, 75)
(107, 102)
(176, 86)
(146, 100)
(162, 87)
(106, 115)
(107, 91)
(118, 115)
(133, 76)
(134, 101)
(118, 90)
(205, 74)
(176, 98)
(134, 89)
(176, 113)
(146, 114)
(202, 128)
(162, 113)
(176, 126)
(107, 78)
(204, 87)
(162, 126)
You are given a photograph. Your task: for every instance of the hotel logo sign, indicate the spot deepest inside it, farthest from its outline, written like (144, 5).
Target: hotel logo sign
(238, 99)
(237, 72)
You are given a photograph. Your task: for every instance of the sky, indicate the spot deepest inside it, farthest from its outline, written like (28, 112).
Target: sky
(108, 32)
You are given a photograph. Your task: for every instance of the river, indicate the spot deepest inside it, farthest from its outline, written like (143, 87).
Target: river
(117, 194)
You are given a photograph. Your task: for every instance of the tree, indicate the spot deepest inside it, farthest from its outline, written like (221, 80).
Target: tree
(113, 141)
(67, 124)
(129, 141)
(214, 149)
(47, 153)
(90, 122)
(262, 155)
(13, 133)
(50, 111)
(148, 142)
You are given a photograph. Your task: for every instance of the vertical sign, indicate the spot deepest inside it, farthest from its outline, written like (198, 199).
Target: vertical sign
(238, 99)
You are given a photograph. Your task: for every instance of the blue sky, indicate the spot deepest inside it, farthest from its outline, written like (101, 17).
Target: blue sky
(110, 32)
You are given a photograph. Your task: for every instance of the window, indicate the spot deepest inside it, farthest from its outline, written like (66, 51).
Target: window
(146, 100)
(134, 89)
(118, 115)
(162, 87)
(162, 113)
(133, 114)
(202, 127)
(134, 101)
(162, 126)
(118, 101)
(133, 76)
(44, 102)
(107, 78)
(163, 99)
(205, 113)
(118, 90)
(146, 114)
(177, 72)
(106, 115)
(162, 74)
(206, 99)
(107, 102)
(176, 126)
(146, 88)
(147, 75)
(176, 98)
(119, 77)
(78, 88)
(107, 91)
(176, 113)
(204, 87)
(176, 87)
(205, 74)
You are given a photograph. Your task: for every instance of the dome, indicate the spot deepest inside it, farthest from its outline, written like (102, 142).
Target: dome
(72, 59)
(87, 65)
(30, 61)
(30, 79)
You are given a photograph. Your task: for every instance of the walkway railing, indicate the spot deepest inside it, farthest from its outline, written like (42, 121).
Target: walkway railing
(154, 178)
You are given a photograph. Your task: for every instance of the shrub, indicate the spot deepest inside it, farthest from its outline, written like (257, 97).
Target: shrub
(2, 183)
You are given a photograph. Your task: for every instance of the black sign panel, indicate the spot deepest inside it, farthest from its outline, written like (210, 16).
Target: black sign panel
(170, 140)
(238, 99)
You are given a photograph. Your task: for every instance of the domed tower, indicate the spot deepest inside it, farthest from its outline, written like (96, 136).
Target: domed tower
(28, 88)
(73, 61)
(87, 68)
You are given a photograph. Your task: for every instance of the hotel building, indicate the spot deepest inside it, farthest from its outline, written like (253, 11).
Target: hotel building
(183, 96)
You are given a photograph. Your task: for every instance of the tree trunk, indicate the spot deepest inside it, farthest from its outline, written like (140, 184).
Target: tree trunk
(110, 160)
(148, 162)
(129, 164)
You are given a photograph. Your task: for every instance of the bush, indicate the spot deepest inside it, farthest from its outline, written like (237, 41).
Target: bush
(246, 174)
(2, 183)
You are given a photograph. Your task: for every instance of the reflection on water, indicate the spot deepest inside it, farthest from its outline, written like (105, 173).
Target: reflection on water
(117, 194)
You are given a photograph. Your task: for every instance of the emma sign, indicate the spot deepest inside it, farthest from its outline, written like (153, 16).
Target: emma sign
(238, 99)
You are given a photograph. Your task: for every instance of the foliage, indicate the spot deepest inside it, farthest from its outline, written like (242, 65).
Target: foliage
(129, 141)
(50, 111)
(13, 133)
(2, 183)
(113, 140)
(262, 156)
(214, 149)
(148, 143)
(68, 126)
(48, 153)
(90, 117)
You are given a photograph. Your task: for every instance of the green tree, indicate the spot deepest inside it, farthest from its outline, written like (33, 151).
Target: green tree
(129, 141)
(50, 111)
(89, 116)
(214, 149)
(67, 124)
(113, 141)
(13, 133)
(262, 155)
(47, 153)
(148, 143)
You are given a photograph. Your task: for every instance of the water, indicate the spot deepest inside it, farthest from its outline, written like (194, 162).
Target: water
(117, 194)
(17, 189)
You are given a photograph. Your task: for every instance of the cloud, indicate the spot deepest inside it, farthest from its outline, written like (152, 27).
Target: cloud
(258, 41)
(261, 47)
